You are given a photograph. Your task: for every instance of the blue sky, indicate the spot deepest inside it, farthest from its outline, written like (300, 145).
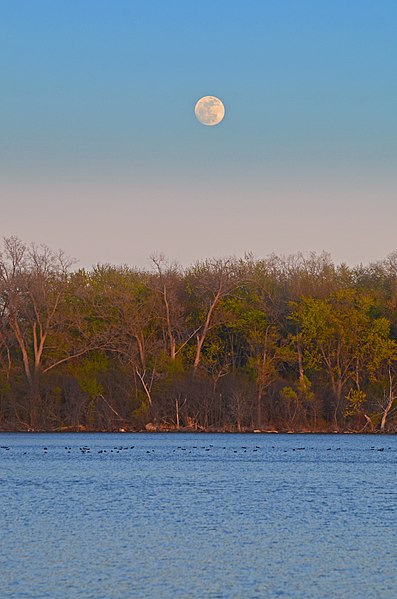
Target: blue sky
(100, 152)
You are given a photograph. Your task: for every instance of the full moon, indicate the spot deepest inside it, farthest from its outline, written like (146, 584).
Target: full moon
(209, 110)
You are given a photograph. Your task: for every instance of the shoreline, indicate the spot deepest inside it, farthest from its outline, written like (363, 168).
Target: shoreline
(181, 430)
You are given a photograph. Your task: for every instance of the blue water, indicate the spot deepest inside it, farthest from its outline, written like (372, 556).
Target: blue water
(186, 515)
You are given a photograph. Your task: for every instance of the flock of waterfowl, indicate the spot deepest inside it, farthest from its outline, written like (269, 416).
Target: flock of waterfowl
(86, 450)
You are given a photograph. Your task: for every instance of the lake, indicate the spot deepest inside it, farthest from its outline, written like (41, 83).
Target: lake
(197, 515)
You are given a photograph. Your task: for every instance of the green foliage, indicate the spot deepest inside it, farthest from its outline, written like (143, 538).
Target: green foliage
(287, 393)
(338, 332)
(355, 400)
(142, 410)
(87, 372)
(171, 367)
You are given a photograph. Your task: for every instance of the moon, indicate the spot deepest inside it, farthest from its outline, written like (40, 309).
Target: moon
(209, 110)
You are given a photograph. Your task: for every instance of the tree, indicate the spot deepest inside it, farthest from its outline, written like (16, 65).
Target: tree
(128, 306)
(33, 284)
(169, 284)
(340, 334)
(208, 282)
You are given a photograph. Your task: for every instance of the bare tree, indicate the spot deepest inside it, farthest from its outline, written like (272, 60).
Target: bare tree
(169, 284)
(209, 282)
(32, 284)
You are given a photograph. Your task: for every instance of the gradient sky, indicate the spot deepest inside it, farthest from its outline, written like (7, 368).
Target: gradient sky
(101, 154)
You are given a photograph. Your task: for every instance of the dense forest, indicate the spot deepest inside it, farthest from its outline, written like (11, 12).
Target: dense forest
(283, 343)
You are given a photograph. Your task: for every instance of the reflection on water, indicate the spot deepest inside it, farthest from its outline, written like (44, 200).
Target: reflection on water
(185, 515)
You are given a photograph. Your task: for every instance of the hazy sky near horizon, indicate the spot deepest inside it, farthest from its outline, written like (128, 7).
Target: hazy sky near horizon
(101, 154)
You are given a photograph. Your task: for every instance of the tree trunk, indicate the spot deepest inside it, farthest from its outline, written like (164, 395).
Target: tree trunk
(259, 409)
(35, 401)
(169, 325)
(300, 363)
(177, 413)
(389, 404)
(201, 338)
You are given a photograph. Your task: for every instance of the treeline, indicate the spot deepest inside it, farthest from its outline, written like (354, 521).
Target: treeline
(294, 343)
